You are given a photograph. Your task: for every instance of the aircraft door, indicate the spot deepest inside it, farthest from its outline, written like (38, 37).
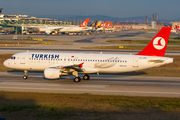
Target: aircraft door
(22, 59)
(135, 62)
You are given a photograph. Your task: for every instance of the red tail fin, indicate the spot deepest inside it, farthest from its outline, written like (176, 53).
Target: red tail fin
(114, 26)
(103, 25)
(84, 24)
(109, 25)
(158, 44)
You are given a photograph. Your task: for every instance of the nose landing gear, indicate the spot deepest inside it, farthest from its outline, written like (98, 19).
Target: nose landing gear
(25, 74)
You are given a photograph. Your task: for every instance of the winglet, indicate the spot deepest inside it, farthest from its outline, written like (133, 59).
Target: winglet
(84, 24)
(158, 44)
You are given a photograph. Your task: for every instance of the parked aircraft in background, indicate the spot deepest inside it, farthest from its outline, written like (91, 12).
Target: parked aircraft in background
(82, 27)
(102, 27)
(98, 24)
(57, 64)
(49, 29)
(109, 25)
(176, 29)
(114, 27)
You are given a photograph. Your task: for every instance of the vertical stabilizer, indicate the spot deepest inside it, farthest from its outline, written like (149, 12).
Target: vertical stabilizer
(84, 24)
(158, 44)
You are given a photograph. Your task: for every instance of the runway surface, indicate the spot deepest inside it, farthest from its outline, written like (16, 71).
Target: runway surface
(98, 84)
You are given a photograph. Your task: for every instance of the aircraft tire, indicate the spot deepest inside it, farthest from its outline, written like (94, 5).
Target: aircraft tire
(86, 77)
(25, 77)
(77, 79)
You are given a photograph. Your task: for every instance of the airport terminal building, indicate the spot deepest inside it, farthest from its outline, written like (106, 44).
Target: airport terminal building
(20, 23)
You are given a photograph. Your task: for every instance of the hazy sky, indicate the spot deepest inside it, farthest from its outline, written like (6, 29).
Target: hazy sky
(166, 9)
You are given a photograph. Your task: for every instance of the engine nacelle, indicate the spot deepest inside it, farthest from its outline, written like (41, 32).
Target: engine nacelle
(52, 73)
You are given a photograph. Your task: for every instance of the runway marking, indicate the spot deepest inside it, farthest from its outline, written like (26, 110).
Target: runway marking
(111, 78)
(109, 91)
(137, 82)
(53, 84)
(37, 76)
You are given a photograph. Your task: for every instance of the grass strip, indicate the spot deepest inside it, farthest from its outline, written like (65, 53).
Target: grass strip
(47, 105)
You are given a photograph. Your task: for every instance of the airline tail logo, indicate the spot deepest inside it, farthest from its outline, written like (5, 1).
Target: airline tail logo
(98, 24)
(84, 24)
(157, 46)
(159, 43)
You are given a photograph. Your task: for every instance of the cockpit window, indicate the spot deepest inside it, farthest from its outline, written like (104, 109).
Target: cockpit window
(13, 57)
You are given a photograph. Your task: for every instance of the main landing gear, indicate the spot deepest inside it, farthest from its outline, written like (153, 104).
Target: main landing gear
(25, 74)
(78, 79)
(86, 77)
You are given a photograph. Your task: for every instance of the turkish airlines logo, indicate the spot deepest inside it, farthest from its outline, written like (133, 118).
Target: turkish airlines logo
(159, 43)
(84, 24)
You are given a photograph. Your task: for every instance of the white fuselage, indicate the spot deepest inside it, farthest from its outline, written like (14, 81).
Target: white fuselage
(49, 29)
(92, 63)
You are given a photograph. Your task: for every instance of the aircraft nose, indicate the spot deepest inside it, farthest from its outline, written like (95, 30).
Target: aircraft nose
(5, 63)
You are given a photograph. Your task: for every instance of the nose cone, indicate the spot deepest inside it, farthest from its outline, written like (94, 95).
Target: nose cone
(6, 63)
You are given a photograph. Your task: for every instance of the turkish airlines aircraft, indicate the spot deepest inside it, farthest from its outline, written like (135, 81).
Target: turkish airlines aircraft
(176, 29)
(49, 29)
(82, 27)
(57, 64)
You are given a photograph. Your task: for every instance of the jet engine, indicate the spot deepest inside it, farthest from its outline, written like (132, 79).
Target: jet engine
(52, 73)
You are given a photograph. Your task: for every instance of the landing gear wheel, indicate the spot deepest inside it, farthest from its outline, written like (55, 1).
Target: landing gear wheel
(77, 79)
(25, 77)
(86, 77)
